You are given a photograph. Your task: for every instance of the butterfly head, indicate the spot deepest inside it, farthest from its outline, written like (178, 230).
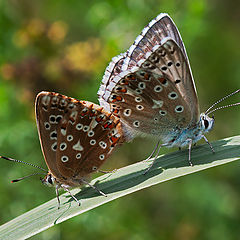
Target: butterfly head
(49, 180)
(206, 122)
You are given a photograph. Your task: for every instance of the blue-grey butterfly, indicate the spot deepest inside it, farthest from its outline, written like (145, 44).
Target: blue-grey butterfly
(151, 89)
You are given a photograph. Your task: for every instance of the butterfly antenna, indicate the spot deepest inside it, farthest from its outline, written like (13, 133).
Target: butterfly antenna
(30, 164)
(220, 100)
(230, 105)
(19, 179)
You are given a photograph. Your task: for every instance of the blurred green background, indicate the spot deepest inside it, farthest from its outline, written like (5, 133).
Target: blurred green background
(64, 46)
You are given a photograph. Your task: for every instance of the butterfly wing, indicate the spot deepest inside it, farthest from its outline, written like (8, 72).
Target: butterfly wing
(158, 53)
(83, 138)
(48, 117)
(159, 28)
(87, 137)
(113, 69)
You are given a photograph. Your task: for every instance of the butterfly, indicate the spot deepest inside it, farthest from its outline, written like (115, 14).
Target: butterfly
(151, 89)
(76, 138)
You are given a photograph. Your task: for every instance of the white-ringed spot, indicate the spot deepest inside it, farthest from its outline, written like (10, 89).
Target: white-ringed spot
(63, 102)
(123, 81)
(172, 95)
(114, 131)
(85, 110)
(163, 81)
(127, 112)
(79, 126)
(53, 135)
(64, 158)
(118, 88)
(54, 100)
(179, 109)
(139, 107)
(52, 119)
(58, 118)
(155, 119)
(78, 156)
(162, 112)
(63, 146)
(148, 65)
(86, 128)
(91, 133)
(138, 99)
(157, 88)
(102, 144)
(142, 85)
(138, 91)
(177, 81)
(47, 125)
(92, 142)
(54, 146)
(94, 168)
(71, 105)
(101, 157)
(136, 123)
(69, 138)
(164, 68)
(178, 64)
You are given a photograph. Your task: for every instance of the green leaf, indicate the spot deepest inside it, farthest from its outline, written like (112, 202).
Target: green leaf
(124, 181)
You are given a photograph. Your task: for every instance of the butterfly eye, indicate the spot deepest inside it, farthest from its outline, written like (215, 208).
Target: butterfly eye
(49, 179)
(206, 124)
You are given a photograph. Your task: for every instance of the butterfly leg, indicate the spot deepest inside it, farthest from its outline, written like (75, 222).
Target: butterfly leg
(92, 186)
(67, 190)
(57, 194)
(159, 147)
(210, 145)
(189, 152)
(154, 150)
(111, 171)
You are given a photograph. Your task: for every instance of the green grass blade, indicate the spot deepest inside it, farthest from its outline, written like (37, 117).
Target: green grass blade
(125, 181)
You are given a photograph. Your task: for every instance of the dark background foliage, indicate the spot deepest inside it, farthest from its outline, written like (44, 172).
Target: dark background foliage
(64, 46)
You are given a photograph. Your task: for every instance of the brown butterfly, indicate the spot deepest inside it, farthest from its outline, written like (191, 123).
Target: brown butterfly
(76, 138)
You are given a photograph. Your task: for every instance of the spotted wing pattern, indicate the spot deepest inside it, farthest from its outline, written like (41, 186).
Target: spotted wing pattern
(144, 103)
(153, 34)
(76, 136)
(113, 69)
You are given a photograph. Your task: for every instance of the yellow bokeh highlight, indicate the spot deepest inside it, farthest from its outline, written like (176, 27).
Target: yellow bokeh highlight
(83, 56)
(21, 38)
(57, 31)
(53, 69)
(35, 27)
